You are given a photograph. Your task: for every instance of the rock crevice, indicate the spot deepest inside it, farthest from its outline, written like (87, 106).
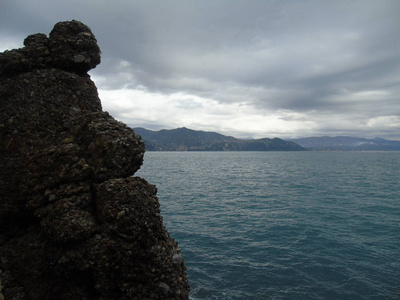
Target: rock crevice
(74, 223)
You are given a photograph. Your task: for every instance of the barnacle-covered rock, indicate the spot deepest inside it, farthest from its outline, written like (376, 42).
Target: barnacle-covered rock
(74, 224)
(73, 47)
(106, 143)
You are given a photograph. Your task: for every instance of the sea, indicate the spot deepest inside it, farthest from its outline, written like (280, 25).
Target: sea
(283, 225)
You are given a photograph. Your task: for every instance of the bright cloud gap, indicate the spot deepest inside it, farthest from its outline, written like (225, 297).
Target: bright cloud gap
(155, 111)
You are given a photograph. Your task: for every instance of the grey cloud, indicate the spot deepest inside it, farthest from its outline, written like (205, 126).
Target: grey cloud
(301, 56)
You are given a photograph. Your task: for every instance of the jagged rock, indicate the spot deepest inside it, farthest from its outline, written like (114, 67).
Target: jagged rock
(73, 47)
(74, 224)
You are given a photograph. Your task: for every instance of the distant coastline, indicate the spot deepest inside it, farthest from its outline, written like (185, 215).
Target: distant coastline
(346, 143)
(184, 139)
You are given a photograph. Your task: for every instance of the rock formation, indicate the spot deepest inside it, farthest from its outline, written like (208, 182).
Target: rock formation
(74, 224)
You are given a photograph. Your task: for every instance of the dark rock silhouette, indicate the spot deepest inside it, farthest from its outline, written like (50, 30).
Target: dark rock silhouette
(74, 224)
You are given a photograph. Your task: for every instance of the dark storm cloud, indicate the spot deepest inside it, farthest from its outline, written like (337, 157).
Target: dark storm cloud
(338, 58)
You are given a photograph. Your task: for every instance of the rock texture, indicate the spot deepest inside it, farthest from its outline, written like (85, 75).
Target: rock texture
(74, 224)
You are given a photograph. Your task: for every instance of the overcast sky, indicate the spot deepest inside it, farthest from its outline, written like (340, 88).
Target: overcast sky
(249, 68)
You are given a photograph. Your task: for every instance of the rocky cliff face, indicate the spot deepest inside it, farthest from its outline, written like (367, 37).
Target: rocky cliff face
(74, 224)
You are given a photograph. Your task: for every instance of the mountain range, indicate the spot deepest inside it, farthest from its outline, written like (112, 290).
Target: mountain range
(346, 143)
(184, 139)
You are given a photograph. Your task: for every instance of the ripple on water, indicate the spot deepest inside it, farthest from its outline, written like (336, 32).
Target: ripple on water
(272, 225)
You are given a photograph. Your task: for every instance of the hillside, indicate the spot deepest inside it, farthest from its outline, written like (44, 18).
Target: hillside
(346, 143)
(184, 139)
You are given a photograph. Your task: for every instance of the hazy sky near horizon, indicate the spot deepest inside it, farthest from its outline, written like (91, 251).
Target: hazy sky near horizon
(246, 68)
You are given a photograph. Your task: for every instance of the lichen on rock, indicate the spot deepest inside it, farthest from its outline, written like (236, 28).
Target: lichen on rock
(74, 223)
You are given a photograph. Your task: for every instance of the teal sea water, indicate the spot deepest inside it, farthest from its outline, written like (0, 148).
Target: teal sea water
(283, 225)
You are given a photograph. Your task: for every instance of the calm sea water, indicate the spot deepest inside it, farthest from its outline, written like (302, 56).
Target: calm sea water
(283, 225)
